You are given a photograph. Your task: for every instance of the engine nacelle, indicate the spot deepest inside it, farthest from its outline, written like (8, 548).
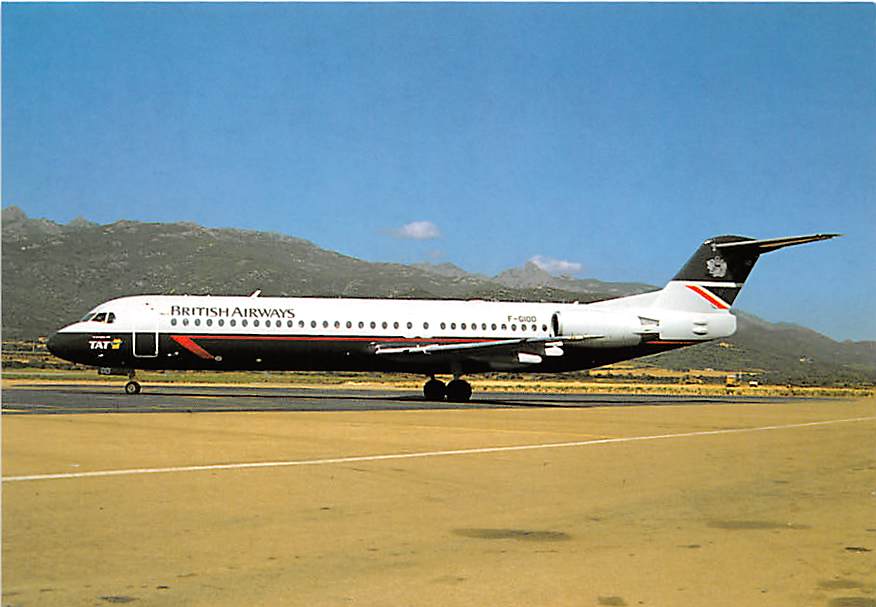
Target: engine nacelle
(602, 329)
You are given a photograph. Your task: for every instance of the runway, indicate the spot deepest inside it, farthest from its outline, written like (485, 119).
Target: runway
(74, 398)
(314, 497)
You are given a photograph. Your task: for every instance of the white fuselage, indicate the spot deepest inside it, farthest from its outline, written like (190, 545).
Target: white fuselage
(421, 336)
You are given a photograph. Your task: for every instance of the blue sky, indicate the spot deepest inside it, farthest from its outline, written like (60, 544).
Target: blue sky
(616, 137)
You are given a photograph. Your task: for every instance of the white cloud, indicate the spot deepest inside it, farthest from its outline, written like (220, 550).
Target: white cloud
(556, 266)
(418, 230)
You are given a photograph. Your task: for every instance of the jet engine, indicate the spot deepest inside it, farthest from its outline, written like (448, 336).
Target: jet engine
(600, 329)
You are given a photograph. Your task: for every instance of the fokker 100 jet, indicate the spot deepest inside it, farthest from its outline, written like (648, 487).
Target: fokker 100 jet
(428, 337)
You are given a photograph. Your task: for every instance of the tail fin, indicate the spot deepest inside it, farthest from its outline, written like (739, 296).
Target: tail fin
(714, 275)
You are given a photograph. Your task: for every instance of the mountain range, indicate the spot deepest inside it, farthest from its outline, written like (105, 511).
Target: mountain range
(53, 273)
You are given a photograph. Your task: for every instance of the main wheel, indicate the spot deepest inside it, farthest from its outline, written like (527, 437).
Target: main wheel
(434, 390)
(458, 391)
(132, 387)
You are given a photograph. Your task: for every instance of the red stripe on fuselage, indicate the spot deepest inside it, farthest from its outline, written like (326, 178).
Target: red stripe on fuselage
(708, 297)
(443, 340)
(187, 343)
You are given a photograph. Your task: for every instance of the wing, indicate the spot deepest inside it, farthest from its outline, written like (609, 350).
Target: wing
(500, 354)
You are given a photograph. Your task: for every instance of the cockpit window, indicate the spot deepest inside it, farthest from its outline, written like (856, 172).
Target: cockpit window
(106, 317)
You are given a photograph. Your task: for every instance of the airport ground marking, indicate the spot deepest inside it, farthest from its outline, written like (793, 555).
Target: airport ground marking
(423, 454)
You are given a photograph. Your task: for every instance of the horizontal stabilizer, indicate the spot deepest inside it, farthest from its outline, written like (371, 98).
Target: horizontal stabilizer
(771, 244)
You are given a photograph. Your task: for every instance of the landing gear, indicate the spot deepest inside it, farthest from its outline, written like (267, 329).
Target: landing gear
(133, 386)
(434, 389)
(458, 391)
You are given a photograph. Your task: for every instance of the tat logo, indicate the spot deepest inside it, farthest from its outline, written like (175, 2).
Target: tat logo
(716, 267)
(105, 344)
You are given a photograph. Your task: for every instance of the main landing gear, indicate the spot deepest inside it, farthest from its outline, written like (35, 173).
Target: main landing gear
(133, 386)
(456, 391)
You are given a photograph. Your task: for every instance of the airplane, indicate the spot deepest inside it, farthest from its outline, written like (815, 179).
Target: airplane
(428, 337)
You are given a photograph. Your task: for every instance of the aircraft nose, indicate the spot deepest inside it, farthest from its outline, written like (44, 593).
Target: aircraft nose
(52, 343)
(61, 345)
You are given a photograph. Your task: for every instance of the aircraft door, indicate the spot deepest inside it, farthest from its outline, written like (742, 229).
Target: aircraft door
(145, 340)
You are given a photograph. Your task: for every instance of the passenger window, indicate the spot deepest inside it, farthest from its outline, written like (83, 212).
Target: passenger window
(453, 325)
(349, 325)
(483, 326)
(493, 326)
(337, 324)
(197, 322)
(232, 322)
(535, 327)
(221, 322)
(325, 324)
(289, 323)
(425, 325)
(523, 327)
(244, 322)
(462, 326)
(504, 327)
(395, 325)
(410, 325)
(373, 325)
(443, 325)
(185, 321)
(313, 324)
(361, 325)
(255, 323)
(173, 321)
(301, 323)
(513, 327)
(384, 325)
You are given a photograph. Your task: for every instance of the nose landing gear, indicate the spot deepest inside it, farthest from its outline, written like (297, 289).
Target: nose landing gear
(133, 386)
(457, 391)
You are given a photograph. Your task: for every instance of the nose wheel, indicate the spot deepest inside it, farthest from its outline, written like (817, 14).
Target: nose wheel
(457, 391)
(133, 386)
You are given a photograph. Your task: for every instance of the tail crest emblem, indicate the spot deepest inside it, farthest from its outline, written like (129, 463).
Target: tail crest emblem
(717, 267)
